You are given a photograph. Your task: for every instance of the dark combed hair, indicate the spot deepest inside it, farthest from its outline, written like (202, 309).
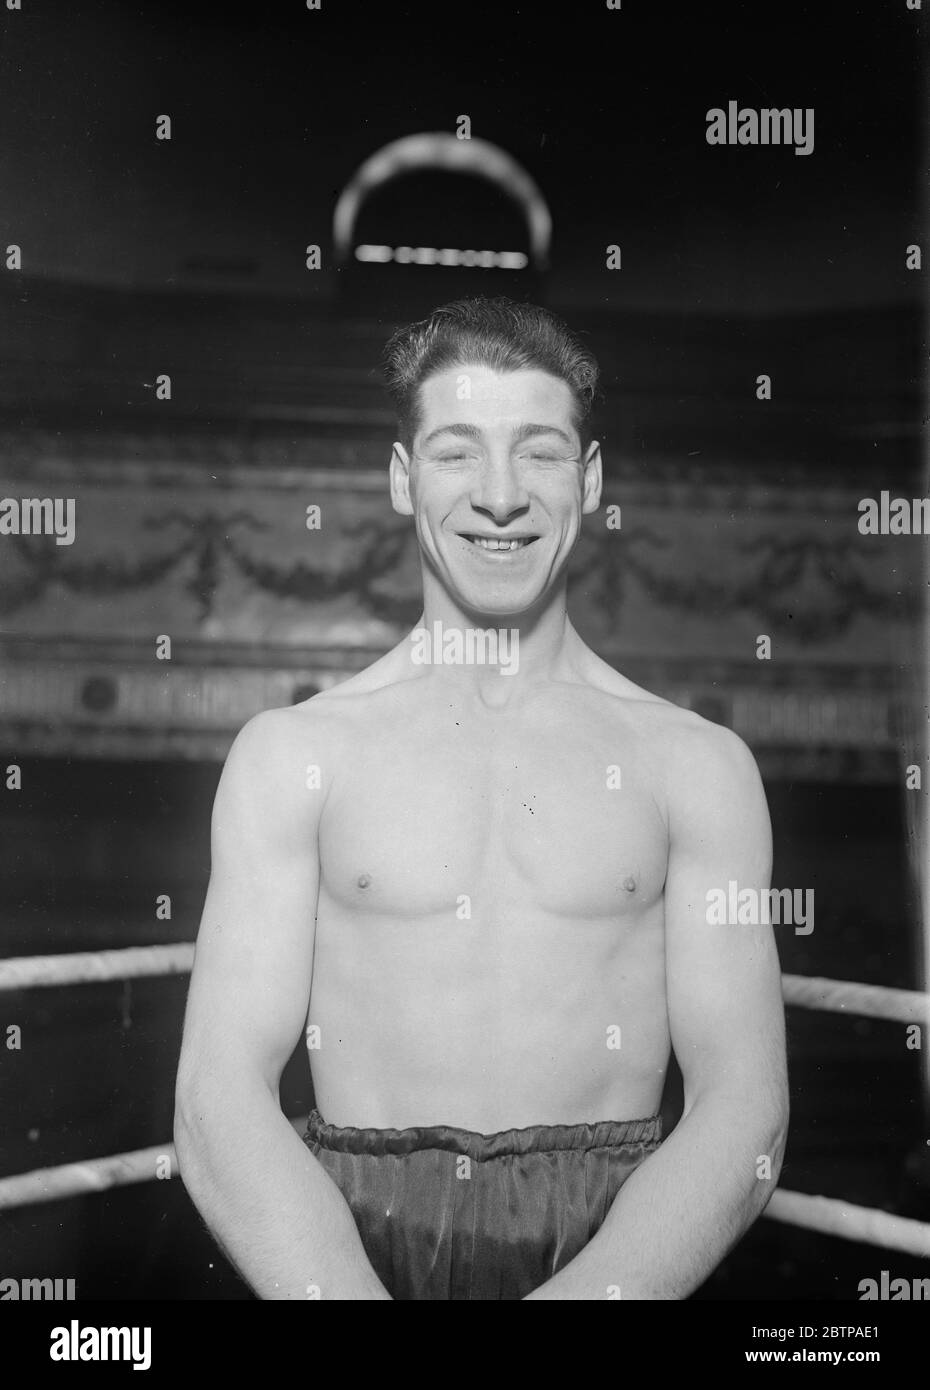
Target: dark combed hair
(498, 333)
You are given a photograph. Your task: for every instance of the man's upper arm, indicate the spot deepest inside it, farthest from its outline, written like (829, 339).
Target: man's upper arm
(251, 979)
(724, 984)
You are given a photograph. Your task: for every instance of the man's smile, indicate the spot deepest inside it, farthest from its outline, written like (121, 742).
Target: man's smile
(497, 545)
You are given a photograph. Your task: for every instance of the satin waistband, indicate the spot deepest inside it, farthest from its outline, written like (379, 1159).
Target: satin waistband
(602, 1134)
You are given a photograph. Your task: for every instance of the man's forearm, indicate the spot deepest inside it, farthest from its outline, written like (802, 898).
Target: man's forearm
(676, 1217)
(271, 1206)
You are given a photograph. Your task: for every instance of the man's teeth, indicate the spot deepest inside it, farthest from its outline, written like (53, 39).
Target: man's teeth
(487, 544)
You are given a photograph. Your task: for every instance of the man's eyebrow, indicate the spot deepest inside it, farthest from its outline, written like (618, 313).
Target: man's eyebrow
(460, 431)
(519, 434)
(523, 432)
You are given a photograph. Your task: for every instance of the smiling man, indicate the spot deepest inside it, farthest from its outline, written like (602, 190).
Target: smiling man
(485, 899)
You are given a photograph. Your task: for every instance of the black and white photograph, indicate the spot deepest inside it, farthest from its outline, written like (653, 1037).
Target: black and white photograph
(464, 664)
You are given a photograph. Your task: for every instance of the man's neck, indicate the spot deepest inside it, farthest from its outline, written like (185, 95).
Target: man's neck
(495, 657)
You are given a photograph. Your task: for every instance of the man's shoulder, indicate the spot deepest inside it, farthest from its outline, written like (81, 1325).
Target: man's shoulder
(276, 758)
(687, 744)
(704, 777)
(277, 731)
(275, 748)
(316, 724)
(707, 769)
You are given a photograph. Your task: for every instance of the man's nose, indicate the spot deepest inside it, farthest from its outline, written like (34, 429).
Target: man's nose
(500, 491)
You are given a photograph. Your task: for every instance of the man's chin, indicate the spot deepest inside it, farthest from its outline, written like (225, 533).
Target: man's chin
(489, 600)
(490, 608)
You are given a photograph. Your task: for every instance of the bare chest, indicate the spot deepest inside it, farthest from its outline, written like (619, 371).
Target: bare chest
(545, 821)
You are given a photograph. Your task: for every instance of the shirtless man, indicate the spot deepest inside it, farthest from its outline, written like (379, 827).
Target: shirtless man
(484, 893)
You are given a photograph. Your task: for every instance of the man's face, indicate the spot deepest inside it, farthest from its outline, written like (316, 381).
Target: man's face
(497, 484)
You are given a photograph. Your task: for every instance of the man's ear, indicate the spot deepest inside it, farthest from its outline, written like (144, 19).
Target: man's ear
(399, 475)
(593, 478)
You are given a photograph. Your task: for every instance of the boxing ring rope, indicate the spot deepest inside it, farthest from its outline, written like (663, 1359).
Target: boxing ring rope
(826, 1215)
(77, 1179)
(845, 996)
(867, 1225)
(139, 962)
(93, 1175)
(86, 967)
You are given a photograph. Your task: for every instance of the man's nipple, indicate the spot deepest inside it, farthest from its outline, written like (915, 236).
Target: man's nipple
(629, 883)
(364, 880)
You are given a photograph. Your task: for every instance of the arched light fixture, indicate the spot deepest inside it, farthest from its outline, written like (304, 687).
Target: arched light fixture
(441, 150)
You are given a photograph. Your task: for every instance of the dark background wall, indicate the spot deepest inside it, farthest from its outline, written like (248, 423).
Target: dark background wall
(274, 108)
